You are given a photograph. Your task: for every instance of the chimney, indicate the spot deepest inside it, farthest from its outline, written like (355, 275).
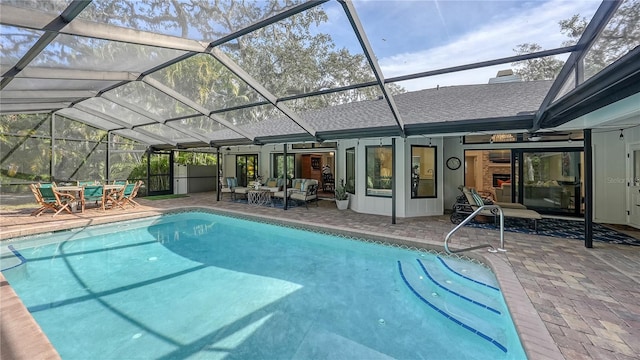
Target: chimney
(504, 76)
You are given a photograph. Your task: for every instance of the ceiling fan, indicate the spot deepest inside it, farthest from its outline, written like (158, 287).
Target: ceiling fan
(539, 135)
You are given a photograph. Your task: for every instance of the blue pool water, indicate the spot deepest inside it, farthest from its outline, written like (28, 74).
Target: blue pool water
(196, 285)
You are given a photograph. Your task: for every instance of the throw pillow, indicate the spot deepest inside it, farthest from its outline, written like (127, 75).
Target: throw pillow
(272, 183)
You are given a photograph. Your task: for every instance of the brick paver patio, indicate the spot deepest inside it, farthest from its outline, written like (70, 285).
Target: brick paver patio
(566, 300)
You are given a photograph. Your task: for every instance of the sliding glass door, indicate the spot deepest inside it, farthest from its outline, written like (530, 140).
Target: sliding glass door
(552, 181)
(549, 181)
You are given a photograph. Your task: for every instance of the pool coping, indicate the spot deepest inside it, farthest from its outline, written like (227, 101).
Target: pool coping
(534, 336)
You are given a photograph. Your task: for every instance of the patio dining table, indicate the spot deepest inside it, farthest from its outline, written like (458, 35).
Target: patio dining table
(77, 191)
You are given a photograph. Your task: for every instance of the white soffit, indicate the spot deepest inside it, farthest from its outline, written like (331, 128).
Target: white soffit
(621, 114)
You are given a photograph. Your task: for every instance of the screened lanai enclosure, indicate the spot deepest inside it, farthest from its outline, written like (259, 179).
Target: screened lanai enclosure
(122, 89)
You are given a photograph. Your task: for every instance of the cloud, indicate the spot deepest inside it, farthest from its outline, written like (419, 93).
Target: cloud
(497, 39)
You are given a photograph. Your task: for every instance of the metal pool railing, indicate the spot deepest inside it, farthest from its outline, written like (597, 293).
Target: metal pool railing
(467, 220)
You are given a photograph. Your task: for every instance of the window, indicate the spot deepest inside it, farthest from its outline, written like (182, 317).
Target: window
(326, 144)
(423, 172)
(379, 161)
(350, 184)
(278, 165)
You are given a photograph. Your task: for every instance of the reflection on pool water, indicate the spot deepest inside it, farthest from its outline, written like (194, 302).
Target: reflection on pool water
(200, 285)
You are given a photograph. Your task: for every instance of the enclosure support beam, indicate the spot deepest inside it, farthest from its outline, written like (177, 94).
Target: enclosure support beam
(589, 36)
(350, 11)
(394, 177)
(218, 171)
(286, 180)
(588, 189)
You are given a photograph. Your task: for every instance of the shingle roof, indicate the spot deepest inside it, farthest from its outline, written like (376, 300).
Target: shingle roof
(456, 103)
(445, 104)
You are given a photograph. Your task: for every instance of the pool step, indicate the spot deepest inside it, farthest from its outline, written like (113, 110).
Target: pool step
(453, 306)
(10, 258)
(481, 296)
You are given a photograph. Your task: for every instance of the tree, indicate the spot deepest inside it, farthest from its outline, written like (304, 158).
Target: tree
(545, 68)
(288, 57)
(621, 35)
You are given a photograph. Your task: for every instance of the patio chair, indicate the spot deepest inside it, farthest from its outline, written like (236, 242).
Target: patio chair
(308, 193)
(94, 193)
(227, 186)
(239, 190)
(127, 194)
(51, 199)
(44, 204)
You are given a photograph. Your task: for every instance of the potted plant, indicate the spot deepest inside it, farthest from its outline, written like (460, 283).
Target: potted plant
(342, 197)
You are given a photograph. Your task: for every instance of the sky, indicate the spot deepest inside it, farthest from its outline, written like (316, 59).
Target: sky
(415, 36)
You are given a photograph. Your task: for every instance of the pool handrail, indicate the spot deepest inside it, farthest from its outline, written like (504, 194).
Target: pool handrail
(468, 219)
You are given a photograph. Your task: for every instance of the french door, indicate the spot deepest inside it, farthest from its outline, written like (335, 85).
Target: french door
(246, 168)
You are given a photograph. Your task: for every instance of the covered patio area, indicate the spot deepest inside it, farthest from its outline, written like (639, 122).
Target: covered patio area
(567, 301)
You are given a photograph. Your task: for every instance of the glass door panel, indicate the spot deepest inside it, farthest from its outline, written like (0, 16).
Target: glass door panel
(552, 181)
(278, 168)
(246, 168)
(490, 173)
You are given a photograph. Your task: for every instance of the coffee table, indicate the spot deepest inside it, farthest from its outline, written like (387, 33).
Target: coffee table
(259, 197)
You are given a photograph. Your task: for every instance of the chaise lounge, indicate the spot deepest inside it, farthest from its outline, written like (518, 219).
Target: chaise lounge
(475, 201)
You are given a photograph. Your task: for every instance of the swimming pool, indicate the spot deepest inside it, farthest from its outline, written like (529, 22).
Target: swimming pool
(201, 285)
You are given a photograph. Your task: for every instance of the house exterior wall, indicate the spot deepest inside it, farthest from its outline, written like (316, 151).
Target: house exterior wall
(423, 206)
(609, 178)
(405, 205)
(452, 178)
(360, 202)
(611, 196)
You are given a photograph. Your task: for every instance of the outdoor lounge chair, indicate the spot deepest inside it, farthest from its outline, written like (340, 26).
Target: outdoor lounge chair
(509, 205)
(475, 201)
